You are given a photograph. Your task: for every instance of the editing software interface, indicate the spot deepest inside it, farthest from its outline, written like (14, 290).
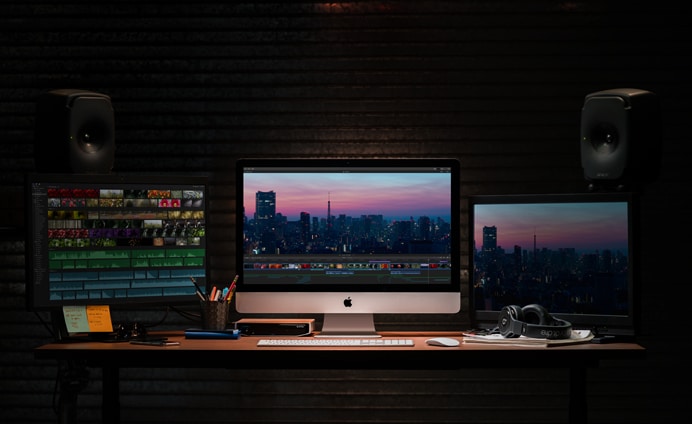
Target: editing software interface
(105, 239)
(407, 269)
(344, 224)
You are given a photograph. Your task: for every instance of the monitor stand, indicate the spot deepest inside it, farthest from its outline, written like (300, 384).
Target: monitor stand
(348, 325)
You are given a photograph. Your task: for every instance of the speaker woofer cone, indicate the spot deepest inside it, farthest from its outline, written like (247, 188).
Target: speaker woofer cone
(604, 138)
(92, 137)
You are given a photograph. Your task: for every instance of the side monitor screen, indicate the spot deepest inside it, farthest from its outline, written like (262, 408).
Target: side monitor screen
(114, 240)
(571, 253)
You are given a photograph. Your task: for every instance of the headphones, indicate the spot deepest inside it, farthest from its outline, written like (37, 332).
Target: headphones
(532, 321)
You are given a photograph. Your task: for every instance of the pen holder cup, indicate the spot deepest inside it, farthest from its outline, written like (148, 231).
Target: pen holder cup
(214, 315)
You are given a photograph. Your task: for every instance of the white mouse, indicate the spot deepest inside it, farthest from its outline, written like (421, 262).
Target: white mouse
(442, 341)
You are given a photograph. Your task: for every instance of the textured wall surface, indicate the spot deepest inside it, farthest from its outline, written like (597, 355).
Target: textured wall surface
(497, 84)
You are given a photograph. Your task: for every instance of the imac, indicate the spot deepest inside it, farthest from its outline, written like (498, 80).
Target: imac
(573, 253)
(348, 238)
(115, 240)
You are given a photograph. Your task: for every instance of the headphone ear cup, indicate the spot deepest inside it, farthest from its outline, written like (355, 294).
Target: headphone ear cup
(539, 323)
(509, 322)
(536, 315)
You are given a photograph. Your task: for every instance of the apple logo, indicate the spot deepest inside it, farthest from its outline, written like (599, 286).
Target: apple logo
(347, 302)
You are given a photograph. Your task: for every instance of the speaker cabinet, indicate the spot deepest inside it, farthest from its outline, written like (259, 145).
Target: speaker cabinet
(75, 132)
(620, 137)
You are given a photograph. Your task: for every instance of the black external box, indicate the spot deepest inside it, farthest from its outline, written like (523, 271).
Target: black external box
(275, 326)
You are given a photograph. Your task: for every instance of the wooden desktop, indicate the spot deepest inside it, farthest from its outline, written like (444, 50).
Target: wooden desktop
(201, 353)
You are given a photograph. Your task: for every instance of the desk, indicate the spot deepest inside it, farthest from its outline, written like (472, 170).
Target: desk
(204, 353)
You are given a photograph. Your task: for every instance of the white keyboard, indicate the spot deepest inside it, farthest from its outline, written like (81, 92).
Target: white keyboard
(309, 342)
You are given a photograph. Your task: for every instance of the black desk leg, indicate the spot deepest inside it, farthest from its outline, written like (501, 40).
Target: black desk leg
(110, 409)
(73, 378)
(578, 409)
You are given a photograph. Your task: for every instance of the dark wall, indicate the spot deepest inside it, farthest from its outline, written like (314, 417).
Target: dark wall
(497, 84)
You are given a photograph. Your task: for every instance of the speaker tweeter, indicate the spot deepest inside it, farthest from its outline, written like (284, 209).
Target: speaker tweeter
(620, 138)
(75, 132)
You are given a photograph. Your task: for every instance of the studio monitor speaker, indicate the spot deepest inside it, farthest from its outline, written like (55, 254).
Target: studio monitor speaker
(620, 137)
(75, 132)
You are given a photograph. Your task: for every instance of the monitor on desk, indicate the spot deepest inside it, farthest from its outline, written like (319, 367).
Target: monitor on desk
(348, 238)
(574, 254)
(119, 240)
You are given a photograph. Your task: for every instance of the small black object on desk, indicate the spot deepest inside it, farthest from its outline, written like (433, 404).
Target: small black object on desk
(200, 333)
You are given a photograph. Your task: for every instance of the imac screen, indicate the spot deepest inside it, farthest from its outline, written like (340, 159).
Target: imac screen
(114, 240)
(348, 238)
(571, 253)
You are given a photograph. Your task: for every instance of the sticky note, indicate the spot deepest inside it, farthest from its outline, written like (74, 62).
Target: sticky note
(87, 319)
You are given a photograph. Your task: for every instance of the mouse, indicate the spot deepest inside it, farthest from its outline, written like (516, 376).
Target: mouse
(443, 341)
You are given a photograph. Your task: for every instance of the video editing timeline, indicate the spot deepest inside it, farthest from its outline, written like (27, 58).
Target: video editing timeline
(411, 270)
(120, 242)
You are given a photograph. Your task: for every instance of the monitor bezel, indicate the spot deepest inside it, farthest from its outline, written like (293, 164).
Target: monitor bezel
(34, 304)
(454, 165)
(599, 324)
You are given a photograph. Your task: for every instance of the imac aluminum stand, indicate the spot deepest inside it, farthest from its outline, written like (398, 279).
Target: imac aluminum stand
(348, 325)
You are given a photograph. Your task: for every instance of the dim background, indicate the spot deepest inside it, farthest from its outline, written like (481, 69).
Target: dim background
(195, 85)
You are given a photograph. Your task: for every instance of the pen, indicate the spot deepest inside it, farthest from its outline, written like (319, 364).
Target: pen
(201, 296)
(197, 289)
(230, 294)
(154, 342)
(212, 296)
(231, 289)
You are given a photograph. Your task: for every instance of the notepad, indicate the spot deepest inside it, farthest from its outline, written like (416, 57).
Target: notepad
(577, 336)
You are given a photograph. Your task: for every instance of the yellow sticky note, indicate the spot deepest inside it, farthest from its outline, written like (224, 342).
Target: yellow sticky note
(87, 319)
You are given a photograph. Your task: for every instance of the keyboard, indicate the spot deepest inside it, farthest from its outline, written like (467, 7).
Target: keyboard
(336, 342)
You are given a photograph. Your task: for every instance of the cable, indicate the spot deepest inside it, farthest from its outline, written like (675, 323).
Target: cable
(187, 315)
(45, 324)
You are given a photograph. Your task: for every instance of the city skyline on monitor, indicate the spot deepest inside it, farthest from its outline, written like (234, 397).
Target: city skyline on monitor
(586, 227)
(395, 196)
